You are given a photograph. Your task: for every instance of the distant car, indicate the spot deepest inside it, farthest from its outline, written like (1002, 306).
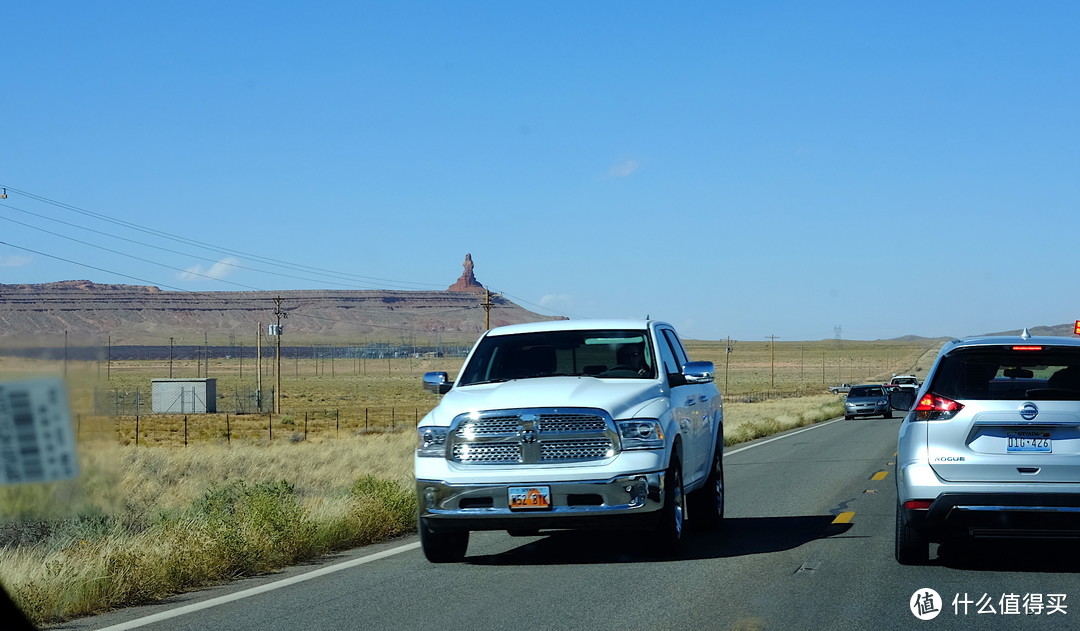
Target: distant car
(844, 387)
(992, 447)
(904, 380)
(867, 400)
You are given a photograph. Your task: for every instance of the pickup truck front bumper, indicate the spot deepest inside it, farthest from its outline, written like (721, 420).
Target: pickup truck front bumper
(623, 500)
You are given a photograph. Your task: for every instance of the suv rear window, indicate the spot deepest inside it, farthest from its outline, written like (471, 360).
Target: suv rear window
(1001, 373)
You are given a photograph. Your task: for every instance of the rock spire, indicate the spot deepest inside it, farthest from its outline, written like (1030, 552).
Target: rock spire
(467, 281)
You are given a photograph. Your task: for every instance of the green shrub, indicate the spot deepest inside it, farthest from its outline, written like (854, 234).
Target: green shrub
(254, 527)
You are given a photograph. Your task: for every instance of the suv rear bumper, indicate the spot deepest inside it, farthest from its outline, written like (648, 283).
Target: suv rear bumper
(998, 515)
(575, 504)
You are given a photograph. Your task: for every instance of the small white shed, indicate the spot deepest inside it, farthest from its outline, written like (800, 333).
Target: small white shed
(183, 396)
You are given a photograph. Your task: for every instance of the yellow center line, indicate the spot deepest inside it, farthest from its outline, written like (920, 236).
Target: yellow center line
(844, 517)
(880, 475)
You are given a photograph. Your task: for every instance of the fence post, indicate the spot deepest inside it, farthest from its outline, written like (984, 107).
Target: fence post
(185, 430)
(136, 430)
(270, 423)
(365, 419)
(228, 430)
(392, 419)
(337, 421)
(305, 425)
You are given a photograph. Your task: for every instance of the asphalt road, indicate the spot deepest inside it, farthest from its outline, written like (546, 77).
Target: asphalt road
(807, 544)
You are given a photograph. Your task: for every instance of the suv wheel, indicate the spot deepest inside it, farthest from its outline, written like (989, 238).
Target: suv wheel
(911, 547)
(443, 547)
(707, 503)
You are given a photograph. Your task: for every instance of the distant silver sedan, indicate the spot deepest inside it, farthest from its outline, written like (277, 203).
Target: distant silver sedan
(868, 400)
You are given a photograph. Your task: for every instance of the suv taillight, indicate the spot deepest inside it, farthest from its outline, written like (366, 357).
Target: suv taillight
(933, 407)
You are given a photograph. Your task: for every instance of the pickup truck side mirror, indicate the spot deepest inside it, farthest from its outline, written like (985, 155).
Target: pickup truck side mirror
(437, 382)
(902, 399)
(698, 372)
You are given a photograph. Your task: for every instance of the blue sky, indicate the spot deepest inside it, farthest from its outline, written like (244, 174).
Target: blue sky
(735, 168)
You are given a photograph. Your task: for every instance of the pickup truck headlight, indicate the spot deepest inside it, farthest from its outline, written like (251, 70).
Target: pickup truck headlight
(641, 434)
(431, 442)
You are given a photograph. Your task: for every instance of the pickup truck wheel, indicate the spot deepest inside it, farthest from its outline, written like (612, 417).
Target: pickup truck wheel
(669, 532)
(443, 547)
(707, 503)
(911, 547)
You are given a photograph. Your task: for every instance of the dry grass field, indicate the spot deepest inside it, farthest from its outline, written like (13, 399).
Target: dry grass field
(218, 497)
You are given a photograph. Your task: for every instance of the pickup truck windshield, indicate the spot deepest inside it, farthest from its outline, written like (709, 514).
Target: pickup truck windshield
(601, 353)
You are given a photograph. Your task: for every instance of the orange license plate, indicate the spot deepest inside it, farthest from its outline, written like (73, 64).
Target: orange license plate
(529, 497)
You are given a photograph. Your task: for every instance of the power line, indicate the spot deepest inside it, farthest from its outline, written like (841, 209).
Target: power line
(100, 269)
(206, 246)
(132, 256)
(212, 247)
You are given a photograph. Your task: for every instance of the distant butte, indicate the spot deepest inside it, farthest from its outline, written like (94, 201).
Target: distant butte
(467, 281)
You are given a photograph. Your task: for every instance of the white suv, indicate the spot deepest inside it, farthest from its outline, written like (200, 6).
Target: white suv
(991, 448)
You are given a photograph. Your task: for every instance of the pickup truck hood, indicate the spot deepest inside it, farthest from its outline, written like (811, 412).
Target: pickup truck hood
(621, 398)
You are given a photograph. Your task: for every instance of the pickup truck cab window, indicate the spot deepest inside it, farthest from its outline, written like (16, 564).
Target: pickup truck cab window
(593, 353)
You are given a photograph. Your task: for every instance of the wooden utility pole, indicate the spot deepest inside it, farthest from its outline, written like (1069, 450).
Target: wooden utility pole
(727, 363)
(277, 371)
(487, 305)
(772, 358)
(258, 368)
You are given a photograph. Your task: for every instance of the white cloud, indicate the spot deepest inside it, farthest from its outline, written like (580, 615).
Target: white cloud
(15, 260)
(557, 302)
(217, 271)
(624, 169)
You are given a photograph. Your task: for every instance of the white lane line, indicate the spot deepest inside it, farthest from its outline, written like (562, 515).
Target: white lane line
(220, 600)
(764, 442)
(285, 582)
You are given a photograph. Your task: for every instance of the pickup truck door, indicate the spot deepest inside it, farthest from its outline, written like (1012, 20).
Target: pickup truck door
(692, 406)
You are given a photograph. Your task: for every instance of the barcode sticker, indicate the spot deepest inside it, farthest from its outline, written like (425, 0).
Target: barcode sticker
(36, 440)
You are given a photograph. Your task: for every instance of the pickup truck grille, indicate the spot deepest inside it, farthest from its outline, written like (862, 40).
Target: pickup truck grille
(531, 436)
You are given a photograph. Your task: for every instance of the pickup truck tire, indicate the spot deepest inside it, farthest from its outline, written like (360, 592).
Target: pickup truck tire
(669, 530)
(443, 547)
(707, 503)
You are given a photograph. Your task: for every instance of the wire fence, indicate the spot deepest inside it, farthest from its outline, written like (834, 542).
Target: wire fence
(138, 402)
(766, 395)
(185, 429)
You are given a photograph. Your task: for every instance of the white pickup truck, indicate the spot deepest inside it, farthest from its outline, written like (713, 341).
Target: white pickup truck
(571, 424)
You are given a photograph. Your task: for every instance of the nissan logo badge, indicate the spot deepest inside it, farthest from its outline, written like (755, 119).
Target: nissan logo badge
(1029, 411)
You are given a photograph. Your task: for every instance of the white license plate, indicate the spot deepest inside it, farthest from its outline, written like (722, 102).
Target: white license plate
(529, 497)
(1028, 440)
